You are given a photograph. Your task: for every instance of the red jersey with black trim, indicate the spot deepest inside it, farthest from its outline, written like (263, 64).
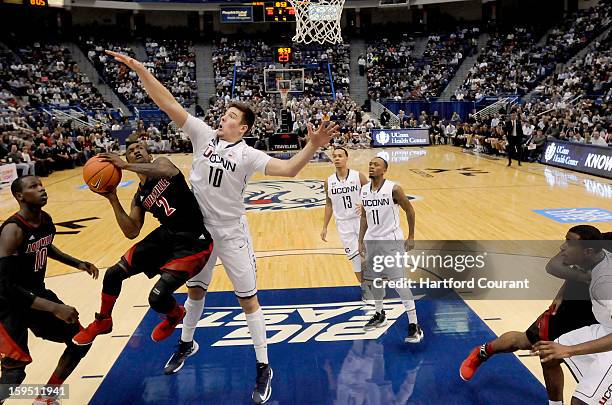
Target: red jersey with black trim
(32, 252)
(171, 201)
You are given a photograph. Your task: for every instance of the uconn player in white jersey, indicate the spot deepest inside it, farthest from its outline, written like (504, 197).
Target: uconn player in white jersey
(381, 235)
(587, 351)
(222, 166)
(343, 200)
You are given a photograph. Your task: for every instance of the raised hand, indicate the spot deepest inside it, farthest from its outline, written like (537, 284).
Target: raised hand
(127, 60)
(324, 134)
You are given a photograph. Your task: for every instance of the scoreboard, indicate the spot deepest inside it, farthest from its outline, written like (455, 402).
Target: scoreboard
(259, 11)
(277, 11)
(35, 3)
(283, 54)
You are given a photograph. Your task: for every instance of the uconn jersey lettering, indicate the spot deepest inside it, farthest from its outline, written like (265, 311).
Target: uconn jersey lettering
(382, 213)
(344, 195)
(220, 172)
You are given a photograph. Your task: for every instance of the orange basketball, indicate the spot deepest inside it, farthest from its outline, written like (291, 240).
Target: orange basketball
(101, 177)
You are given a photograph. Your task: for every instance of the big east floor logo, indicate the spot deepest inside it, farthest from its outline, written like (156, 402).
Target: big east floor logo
(284, 194)
(302, 323)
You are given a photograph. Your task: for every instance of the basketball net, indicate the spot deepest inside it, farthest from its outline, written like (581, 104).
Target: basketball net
(284, 93)
(317, 21)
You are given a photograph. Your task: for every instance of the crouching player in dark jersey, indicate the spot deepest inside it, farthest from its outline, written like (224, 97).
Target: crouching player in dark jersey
(26, 240)
(570, 310)
(177, 250)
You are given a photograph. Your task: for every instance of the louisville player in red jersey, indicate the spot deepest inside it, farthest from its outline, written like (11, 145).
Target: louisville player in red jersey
(26, 240)
(177, 250)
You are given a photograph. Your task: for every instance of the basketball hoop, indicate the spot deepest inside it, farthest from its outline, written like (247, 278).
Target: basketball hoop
(317, 21)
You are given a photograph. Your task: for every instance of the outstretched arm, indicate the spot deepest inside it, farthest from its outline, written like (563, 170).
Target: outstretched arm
(158, 93)
(56, 254)
(160, 168)
(291, 167)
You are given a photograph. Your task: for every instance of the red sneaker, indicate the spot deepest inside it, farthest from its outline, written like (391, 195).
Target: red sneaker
(100, 326)
(165, 328)
(46, 401)
(470, 364)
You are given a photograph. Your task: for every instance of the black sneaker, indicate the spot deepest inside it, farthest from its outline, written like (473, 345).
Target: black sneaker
(183, 350)
(415, 333)
(377, 321)
(263, 384)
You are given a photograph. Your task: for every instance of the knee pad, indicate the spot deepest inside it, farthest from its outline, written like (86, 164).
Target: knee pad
(160, 297)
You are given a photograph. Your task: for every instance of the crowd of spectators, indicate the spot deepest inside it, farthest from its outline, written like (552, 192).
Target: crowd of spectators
(172, 61)
(239, 66)
(46, 76)
(513, 63)
(395, 73)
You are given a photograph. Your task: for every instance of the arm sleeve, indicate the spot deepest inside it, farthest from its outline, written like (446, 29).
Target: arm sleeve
(198, 132)
(10, 293)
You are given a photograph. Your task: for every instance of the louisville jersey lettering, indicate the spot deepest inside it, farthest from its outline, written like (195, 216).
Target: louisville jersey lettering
(33, 251)
(171, 201)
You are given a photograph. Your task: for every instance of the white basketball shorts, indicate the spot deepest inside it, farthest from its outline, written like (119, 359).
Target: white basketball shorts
(593, 371)
(234, 247)
(349, 235)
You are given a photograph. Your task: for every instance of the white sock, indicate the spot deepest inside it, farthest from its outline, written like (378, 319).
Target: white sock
(378, 305)
(257, 328)
(555, 402)
(194, 310)
(356, 262)
(410, 311)
(408, 301)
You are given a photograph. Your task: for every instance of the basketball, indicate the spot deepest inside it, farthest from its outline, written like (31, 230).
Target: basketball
(101, 177)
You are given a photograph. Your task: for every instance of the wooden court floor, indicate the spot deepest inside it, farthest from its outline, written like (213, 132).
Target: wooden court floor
(456, 196)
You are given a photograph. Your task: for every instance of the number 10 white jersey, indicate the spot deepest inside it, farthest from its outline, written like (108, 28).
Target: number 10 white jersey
(344, 195)
(220, 172)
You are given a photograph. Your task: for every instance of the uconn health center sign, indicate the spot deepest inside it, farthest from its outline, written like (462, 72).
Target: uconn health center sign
(400, 137)
(596, 160)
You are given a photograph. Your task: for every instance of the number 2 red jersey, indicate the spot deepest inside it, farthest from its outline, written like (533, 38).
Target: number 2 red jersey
(173, 204)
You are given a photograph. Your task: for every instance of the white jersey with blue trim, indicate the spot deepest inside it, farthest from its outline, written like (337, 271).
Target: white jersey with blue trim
(220, 172)
(382, 213)
(344, 195)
